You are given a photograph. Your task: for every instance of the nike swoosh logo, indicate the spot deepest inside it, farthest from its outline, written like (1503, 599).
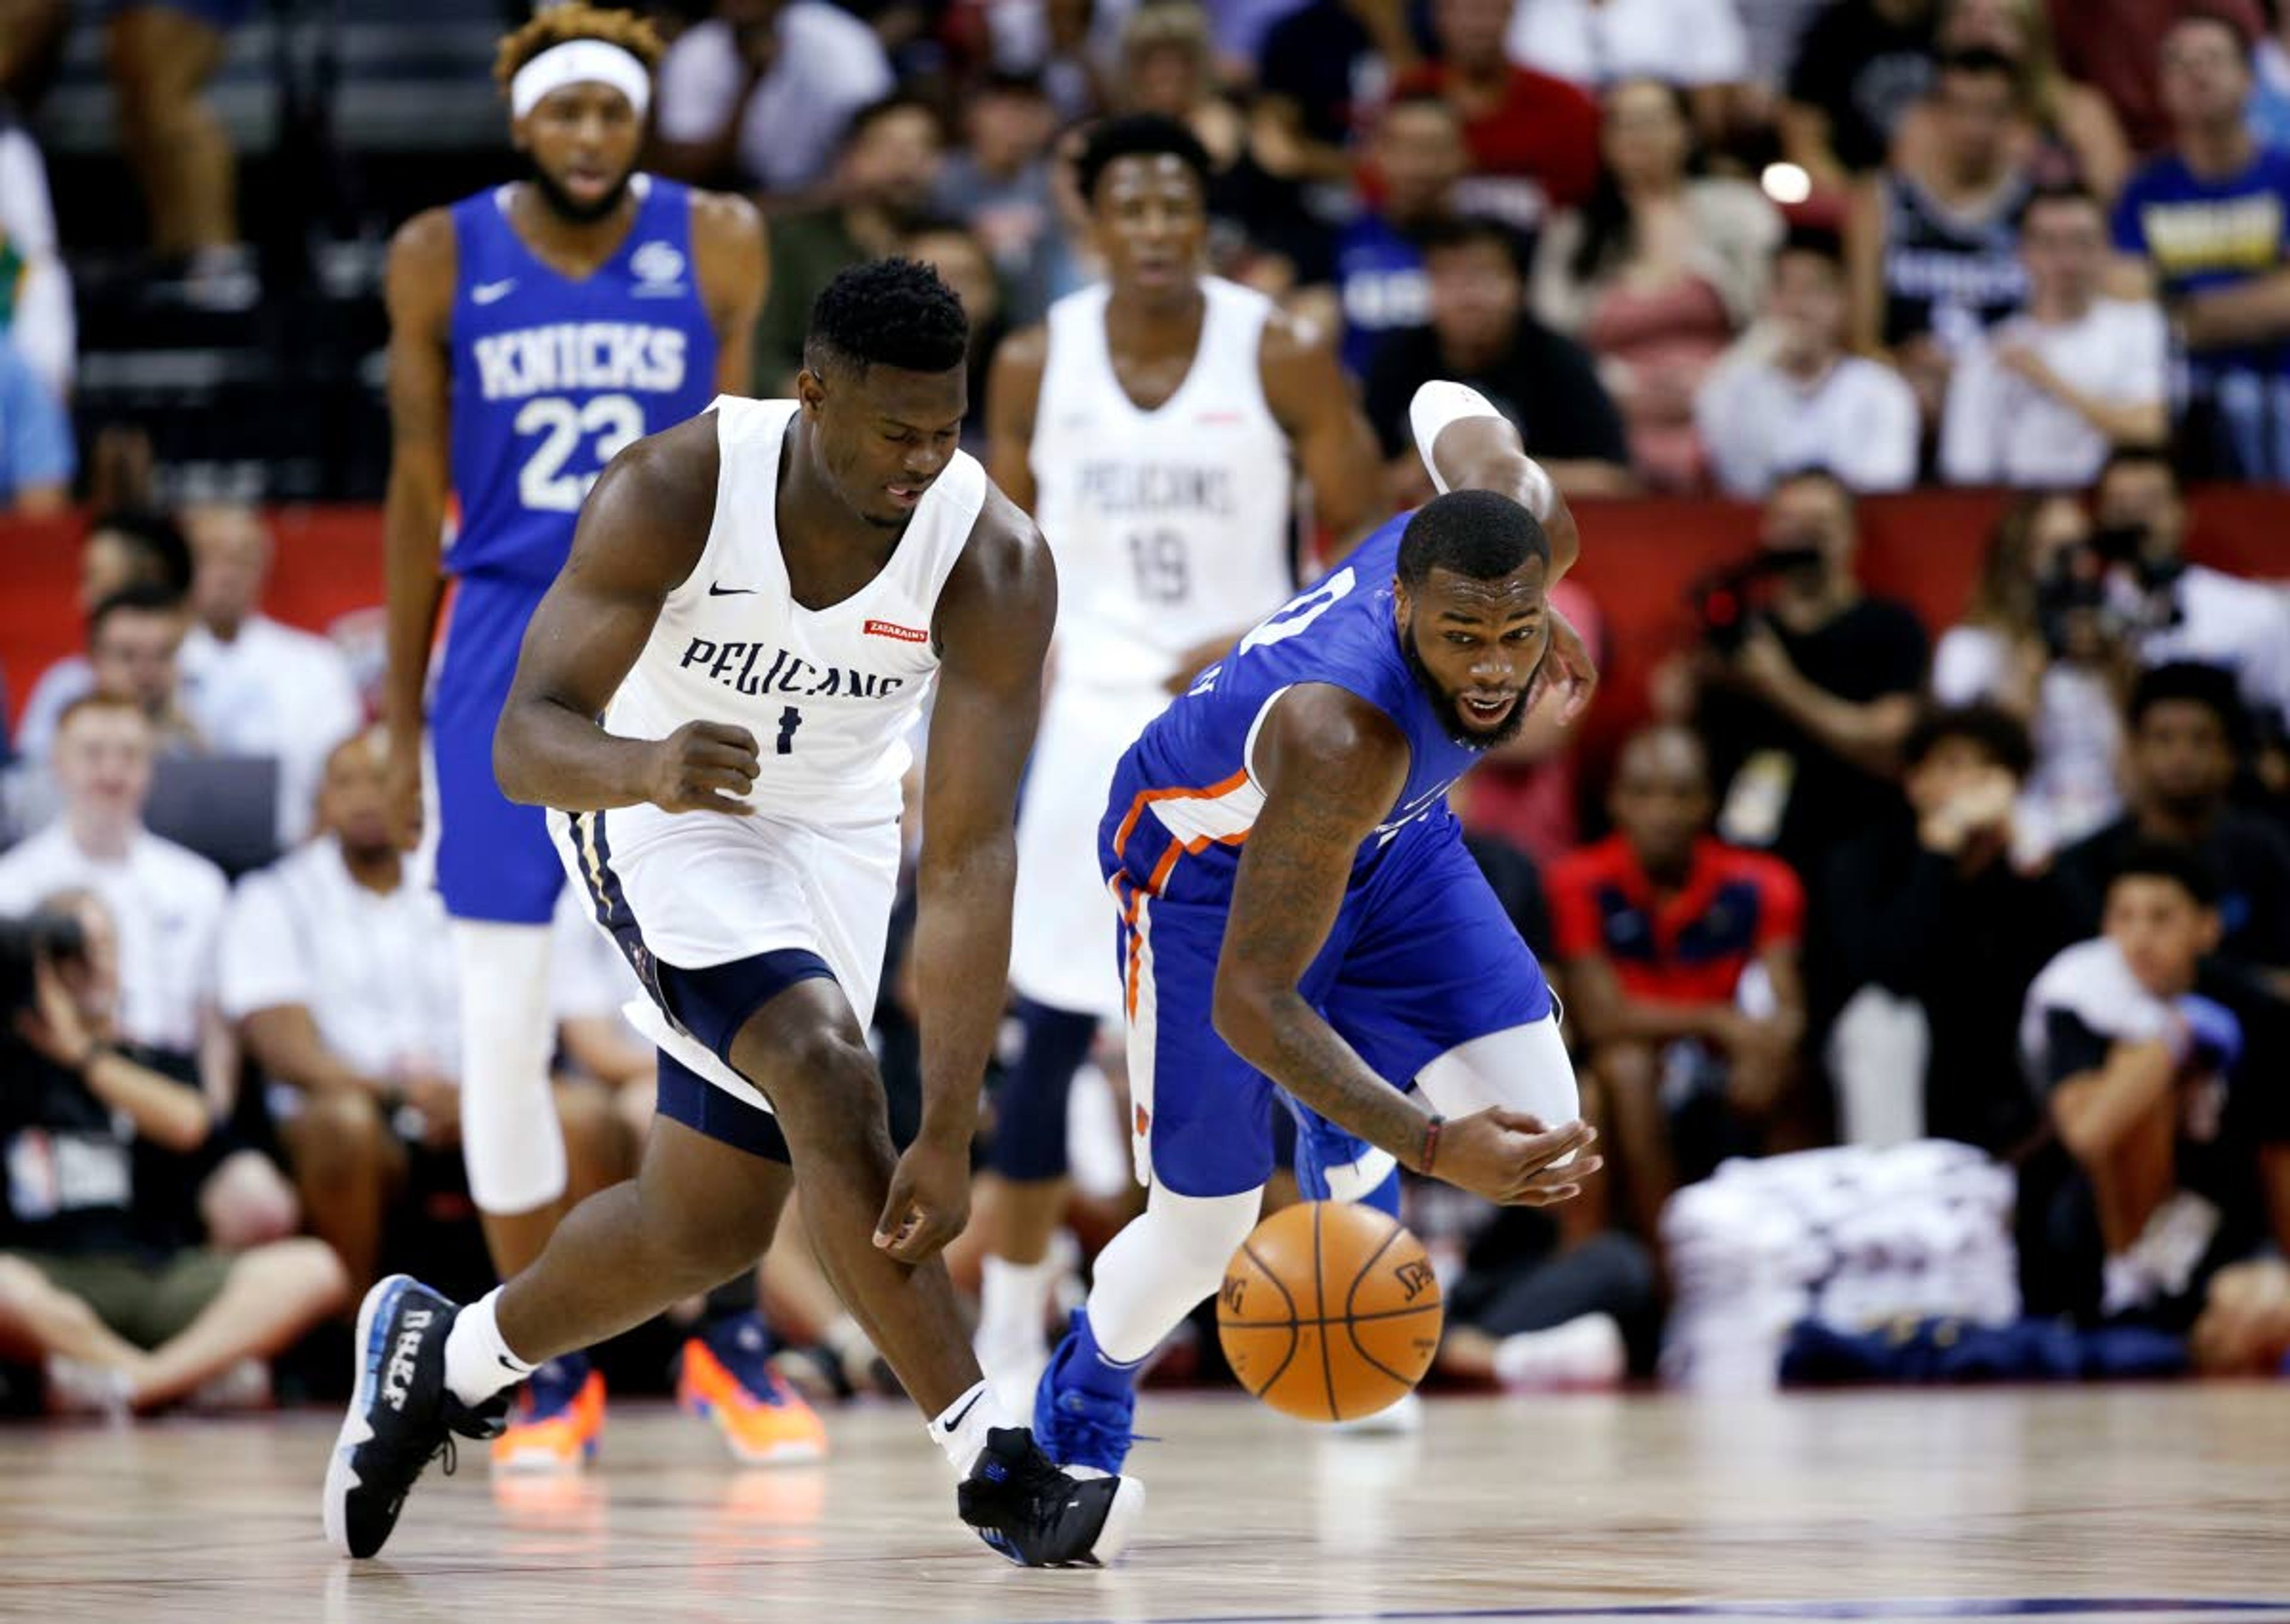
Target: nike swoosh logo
(486, 292)
(715, 589)
(953, 1425)
(506, 1365)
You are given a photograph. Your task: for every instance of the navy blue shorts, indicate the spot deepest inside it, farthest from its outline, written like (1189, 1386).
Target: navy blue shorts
(1421, 960)
(494, 859)
(712, 1004)
(688, 1098)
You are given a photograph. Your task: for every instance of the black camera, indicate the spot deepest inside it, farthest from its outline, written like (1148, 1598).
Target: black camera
(2078, 613)
(24, 942)
(1725, 601)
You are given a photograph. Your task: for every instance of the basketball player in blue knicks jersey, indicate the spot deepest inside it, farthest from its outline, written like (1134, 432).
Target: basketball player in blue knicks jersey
(1300, 919)
(715, 698)
(536, 330)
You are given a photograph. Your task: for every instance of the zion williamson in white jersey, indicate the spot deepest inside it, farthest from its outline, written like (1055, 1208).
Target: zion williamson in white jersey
(757, 604)
(1154, 426)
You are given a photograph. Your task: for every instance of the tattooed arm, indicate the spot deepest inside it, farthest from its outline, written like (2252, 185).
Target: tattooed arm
(1332, 766)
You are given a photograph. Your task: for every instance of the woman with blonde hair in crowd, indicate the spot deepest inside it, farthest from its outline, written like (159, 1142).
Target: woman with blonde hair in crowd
(1656, 275)
(2069, 132)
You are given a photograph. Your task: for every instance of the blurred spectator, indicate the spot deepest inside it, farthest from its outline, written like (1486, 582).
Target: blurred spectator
(1481, 334)
(1321, 70)
(2064, 132)
(1805, 715)
(999, 181)
(1774, 29)
(1861, 66)
(36, 294)
(2043, 397)
(2162, 1071)
(2038, 645)
(1680, 959)
(1696, 45)
(31, 47)
(251, 686)
(1414, 160)
(1929, 906)
(2187, 734)
(1544, 1300)
(38, 458)
(2270, 99)
(134, 642)
(1933, 239)
(2181, 611)
(2212, 220)
(890, 161)
(1072, 45)
(166, 902)
(328, 965)
(2113, 45)
(1789, 396)
(1656, 275)
(760, 95)
(959, 257)
(1533, 138)
(96, 1280)
(162, 53)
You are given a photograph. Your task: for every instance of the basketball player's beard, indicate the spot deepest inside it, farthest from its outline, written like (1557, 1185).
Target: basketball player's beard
(1450, 714)
(571, 210)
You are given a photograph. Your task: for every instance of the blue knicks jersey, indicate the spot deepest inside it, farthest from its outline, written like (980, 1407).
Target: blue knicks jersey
(1184, 798)
(552, 377)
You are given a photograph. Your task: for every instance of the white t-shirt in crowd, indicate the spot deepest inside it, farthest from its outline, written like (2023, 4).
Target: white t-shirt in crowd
(829, 65)
(2224, 621)
(1858, 421)
(374, 970)
(1597, 41)
(168, 903)
(2071, 790)
(272, 691)
(1998, 429)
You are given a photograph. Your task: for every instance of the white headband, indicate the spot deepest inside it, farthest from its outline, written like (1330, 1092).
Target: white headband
(579, 62)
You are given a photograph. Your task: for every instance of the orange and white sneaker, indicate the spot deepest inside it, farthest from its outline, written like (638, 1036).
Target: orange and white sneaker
(726, 1374)
(558, 1417)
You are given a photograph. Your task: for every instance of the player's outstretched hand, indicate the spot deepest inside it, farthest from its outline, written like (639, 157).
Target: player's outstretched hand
(1566, 670)
(929, 1204)
(1510, 1157)
(704, 767)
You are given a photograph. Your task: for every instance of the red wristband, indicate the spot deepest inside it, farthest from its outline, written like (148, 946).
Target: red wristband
(1431, 1143)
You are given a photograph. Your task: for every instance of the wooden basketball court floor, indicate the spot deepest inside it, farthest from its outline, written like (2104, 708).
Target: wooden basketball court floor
(2150, 1504)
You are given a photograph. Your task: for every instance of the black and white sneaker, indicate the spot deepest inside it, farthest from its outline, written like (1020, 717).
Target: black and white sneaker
(1039, 1516)
(401, 1415)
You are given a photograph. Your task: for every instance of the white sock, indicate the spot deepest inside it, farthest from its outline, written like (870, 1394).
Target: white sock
(961, 1427)
(1014, 1301)
(478, 1363)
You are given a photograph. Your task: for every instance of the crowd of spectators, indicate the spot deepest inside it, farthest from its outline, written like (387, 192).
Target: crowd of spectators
(2021, 882)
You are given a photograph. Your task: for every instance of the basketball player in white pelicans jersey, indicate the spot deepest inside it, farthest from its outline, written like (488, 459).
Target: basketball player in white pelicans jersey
(758, 604)
(1152, 427)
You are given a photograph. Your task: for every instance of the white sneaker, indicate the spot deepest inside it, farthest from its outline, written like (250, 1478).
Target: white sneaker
(76, 1387)
(1585, 1352)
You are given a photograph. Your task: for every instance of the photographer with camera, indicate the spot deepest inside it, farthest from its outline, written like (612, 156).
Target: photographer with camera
(168, 901)
(2039, 642)
(1803, 685)
(2178, 611)
(98, 1279)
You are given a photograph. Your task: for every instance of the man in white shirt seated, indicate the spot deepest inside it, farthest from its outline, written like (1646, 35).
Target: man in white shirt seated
(1788, 396)
(2181, 610)
(253, 686)
(762, 92)
(2039, 400)
(168, 901)
(335, 967)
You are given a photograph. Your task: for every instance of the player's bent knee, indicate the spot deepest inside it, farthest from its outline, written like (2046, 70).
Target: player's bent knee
(1521, 1068)
(826, 1090)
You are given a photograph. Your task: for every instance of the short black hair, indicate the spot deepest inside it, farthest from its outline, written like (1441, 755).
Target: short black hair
(1821, 242)
(2186, 682)
(1138, 135)
(1476, 533)
(887, 313)
(166, 554)
(2186, 866)
(2225, 17)
(2137, 454)
(2002, 736)
(1473, 230)
(136, 597)
(885, 106)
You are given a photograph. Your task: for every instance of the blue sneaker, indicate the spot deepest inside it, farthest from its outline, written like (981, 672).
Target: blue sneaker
(1077, 1425)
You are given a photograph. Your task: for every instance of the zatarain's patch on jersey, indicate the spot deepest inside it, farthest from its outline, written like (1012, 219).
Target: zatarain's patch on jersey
(894, 631)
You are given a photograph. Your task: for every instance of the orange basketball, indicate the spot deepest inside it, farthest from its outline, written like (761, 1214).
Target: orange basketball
(1329, 1311)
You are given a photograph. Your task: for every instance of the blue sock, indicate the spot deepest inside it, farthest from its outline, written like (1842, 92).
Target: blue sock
(1085, 1363)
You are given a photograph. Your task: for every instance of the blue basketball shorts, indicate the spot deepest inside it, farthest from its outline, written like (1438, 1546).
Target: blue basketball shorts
(494, 859)
(1421, 959)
